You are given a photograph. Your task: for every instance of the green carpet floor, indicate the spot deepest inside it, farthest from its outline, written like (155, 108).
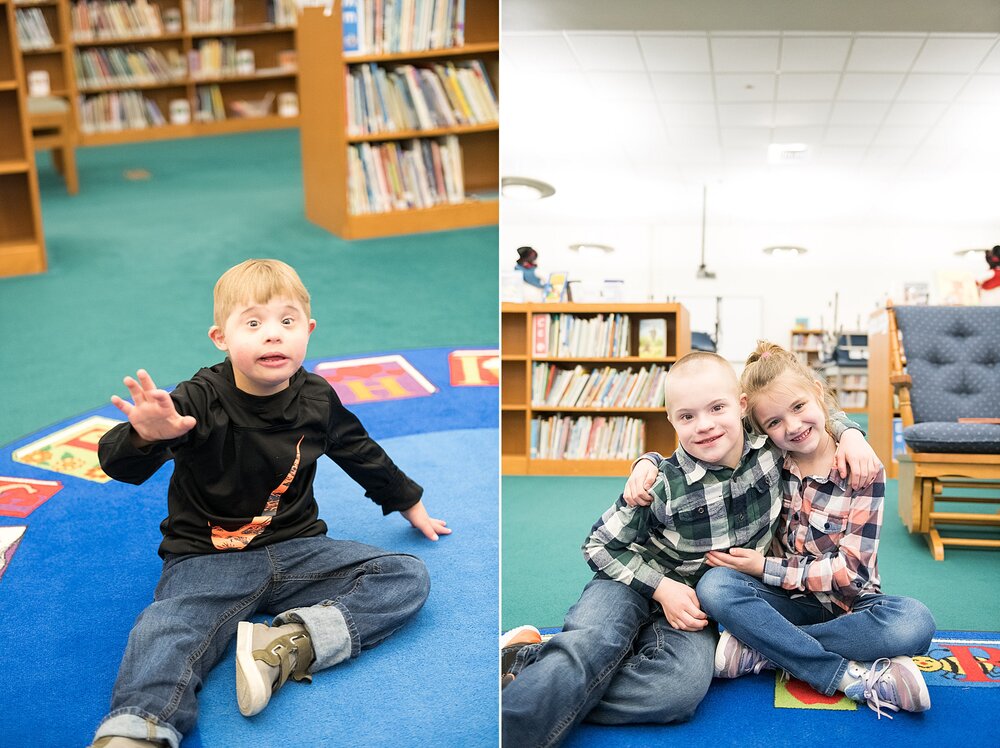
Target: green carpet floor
(546, 519)
(132, 264)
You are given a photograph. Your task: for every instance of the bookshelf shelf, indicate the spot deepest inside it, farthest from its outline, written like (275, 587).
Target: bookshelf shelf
(518, 410)
(335, 161)
(22, 246)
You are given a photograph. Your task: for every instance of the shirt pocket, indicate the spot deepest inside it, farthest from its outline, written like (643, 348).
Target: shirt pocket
(830, 524)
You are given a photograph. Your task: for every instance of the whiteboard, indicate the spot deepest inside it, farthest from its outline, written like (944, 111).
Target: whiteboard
(741, 322)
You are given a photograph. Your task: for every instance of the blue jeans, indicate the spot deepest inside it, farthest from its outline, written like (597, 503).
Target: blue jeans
(804, 638)
(348, 596)
(616, 661)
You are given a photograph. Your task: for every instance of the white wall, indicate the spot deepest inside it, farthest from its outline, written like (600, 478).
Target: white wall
(864, 265)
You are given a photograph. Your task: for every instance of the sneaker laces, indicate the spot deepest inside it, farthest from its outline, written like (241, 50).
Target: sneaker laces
(877, 687)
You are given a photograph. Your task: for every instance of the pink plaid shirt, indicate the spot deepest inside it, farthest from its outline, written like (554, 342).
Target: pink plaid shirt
(828, 538)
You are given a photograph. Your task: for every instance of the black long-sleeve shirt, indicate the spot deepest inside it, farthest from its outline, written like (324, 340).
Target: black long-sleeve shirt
(244, 474)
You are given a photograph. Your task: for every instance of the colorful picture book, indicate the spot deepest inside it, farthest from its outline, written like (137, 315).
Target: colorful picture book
(556, 288)
(375, 379)
(652, 338)
(71, 450)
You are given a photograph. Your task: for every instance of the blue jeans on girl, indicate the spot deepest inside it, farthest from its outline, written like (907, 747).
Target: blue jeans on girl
(616, 661)
(801, 636)
(348, 596)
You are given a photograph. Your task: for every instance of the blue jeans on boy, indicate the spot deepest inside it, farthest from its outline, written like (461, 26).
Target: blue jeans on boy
(348, 596)
(801, 636)
(616, 661)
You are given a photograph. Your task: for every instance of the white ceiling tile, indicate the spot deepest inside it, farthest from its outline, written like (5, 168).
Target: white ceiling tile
(675, 53)
(931, 87)
(738, 87)
(745, 115)
(742, 157)
(984, 89)
(834, 155)
(886, 158)
(688, 113)
(930, 161)
(539, 52)
(952, 54)
(807, 86)
(915, 113)
(682, 86)
(611, 52)
(684, 137)
(699, 155)
(992, 63)
(613, 86)
(869, 86)
(799, 114)
(813, 53)
(807, 135)
(858, 112)
(742, 137)
(901, 135)
(850, 135)
(745, 53)
(878, 54)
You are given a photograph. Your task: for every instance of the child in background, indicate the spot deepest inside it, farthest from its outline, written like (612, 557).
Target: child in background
(816, 610)
(242, 535)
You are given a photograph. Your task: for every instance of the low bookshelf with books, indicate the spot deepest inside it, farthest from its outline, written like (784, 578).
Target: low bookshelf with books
(582, 385)
(400, 116)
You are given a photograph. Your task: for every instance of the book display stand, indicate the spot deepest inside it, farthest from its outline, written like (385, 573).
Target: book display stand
(614, 418)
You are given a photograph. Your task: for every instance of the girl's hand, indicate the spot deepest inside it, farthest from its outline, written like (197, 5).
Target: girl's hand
(746, 560)
(153, 416)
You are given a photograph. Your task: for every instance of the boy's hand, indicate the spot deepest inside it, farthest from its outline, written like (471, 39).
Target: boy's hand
(643, 477)
(680, 605)
(417, 516)
(153, 416)
(854, 452)
(746, 560)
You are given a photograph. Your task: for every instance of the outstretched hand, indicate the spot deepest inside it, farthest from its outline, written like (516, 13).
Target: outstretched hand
(153, 415)
(417, 516)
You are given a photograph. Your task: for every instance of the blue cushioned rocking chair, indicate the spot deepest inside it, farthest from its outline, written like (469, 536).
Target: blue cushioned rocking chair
(945, 368)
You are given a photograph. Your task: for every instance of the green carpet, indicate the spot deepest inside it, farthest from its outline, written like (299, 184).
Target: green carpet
(132, 266)
(546, 519)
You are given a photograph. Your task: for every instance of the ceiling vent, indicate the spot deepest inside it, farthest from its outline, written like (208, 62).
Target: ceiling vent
(787, 153)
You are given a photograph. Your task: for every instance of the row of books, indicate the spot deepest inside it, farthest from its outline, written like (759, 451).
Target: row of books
(110, 19)
(597, 388)
(587, 438)
(210, 15)
(412, 174)
(384, 26)
(106, 66)
(32, 31)
(566, 335)
(418, 98)
(210, 105)
(853, 399)
(120, 110)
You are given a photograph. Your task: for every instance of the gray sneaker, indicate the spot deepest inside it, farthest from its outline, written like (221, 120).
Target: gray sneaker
(895, 684)
(265, 657)
(733, 658)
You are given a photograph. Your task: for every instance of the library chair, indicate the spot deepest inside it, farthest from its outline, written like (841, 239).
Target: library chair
(53, 129)
(945, 369)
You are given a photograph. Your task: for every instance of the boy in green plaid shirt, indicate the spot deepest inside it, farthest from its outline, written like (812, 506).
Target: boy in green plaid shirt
(637, 647)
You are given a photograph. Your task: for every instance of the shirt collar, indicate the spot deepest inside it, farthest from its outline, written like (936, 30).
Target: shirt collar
(694, 469)
(833, 477)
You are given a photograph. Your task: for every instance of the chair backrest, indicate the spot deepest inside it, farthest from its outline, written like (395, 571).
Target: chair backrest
(953, 357)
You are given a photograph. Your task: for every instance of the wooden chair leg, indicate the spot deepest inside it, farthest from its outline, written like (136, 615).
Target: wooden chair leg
(58, 161)
(69, 170)
(935, 543)
(926, 487)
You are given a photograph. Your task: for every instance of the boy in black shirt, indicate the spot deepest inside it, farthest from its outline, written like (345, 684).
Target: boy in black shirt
(242, 535)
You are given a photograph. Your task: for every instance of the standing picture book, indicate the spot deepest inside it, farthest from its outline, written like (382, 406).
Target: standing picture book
(652, 338)
(555, 289)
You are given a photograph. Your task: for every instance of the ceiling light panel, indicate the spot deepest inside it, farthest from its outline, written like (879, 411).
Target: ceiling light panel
(619, 52)
(884, 53)
(744, 53)
(675, 54)
(813, 53)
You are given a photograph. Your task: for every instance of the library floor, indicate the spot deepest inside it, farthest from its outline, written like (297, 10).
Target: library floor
(133, 259)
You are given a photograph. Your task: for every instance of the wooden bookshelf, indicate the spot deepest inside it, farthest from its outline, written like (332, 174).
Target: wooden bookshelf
(807, 344)
(516, 361)
(251, 30)
(22, 246)
(326, 143)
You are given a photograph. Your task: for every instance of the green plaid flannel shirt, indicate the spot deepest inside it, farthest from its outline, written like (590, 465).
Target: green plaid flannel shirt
(697, 508)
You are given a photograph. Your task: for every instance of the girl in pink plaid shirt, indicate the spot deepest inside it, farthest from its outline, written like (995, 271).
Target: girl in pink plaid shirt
(815, 608)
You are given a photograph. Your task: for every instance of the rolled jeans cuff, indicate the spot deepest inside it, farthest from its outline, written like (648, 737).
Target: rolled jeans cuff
(332, 632)
(132, 723)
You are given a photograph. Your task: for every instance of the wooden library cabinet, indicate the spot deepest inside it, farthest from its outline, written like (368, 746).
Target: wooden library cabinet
(22, 247)
(327, 146)
(224, 98)
(518, 407)
(807, 345)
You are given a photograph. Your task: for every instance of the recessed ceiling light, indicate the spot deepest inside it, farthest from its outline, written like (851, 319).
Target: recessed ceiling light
(525, 188)
(785, 251)
(787, 153)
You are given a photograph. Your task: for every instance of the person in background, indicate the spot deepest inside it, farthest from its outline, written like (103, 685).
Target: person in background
(527, 262)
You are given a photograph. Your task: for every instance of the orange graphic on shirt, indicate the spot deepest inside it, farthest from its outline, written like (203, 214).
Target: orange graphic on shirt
(241, 537)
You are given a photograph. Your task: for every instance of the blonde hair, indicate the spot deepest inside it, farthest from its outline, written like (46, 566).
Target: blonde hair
(766, 364)
(695, 358)
(257, 281)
